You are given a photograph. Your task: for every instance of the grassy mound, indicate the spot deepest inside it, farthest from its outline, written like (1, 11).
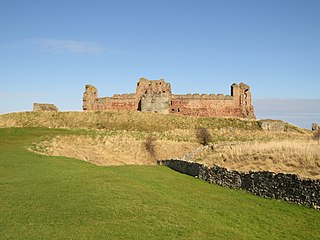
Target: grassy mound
(61, 198)
(120, 149)
(117, 138)
(119, 120)
(168, 126)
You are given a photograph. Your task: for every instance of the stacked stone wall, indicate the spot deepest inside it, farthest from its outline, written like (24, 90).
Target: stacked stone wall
(288, 187)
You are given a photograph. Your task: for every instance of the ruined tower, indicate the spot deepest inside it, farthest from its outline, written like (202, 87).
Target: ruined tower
(89, 97)
(242, 98)
(153, 95)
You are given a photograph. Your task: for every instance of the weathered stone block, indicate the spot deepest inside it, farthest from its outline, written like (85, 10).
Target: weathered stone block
(315, 127)
(44, 107)
(272, 125)
(155, 102)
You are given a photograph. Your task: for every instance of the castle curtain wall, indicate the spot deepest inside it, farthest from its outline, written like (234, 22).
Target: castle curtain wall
(115, 103)
(205, 106)
(91, 102)
(156, 96)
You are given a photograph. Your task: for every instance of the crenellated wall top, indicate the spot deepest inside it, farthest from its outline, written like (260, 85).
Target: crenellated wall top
(197, 96)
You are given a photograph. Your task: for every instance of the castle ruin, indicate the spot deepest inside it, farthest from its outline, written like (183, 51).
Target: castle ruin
(44, 107)
(156, 96)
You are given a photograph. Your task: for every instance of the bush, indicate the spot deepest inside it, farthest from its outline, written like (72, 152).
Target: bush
(203, 135)
(149, 144)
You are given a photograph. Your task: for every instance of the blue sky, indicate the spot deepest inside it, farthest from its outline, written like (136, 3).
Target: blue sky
(50, 49)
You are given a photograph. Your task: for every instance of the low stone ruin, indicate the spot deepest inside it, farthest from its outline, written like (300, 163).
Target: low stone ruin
(44, 107)
(272, 125)
(315, 127)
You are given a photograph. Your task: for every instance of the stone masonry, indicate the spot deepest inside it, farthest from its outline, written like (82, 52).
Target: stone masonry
(272, 125)
(315, 127)
(288, 187)
(156, 96)
(44, 107)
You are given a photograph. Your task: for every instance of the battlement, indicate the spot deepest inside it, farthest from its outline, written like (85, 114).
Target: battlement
(202, 96)
(145, 86)
(156, 96)
(124, 95)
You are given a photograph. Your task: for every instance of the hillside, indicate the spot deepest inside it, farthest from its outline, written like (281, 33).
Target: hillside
(62, 198)
(118, 138)
(225, 129)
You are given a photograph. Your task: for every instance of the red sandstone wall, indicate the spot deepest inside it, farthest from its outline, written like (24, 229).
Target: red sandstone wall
(145, 86)
(205, 107)
(149, 94)
(115, 104)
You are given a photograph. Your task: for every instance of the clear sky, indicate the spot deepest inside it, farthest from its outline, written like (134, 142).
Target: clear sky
(49, 50)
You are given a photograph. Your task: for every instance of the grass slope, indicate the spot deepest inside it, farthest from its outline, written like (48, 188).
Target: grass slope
(164, 126)
(119, 120)
(61, 198)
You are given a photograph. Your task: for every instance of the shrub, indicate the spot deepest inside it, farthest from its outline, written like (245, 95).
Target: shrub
(203, 135)
(149, 144)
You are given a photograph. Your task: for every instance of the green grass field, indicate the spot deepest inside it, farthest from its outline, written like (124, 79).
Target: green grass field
(45, 197)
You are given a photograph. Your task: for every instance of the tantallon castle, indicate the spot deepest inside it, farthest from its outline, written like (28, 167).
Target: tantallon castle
(156, 96)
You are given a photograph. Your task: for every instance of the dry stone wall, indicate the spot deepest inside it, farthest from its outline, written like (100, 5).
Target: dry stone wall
(288, 187)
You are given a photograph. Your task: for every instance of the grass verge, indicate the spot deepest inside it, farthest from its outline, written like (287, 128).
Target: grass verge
(62, 198)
